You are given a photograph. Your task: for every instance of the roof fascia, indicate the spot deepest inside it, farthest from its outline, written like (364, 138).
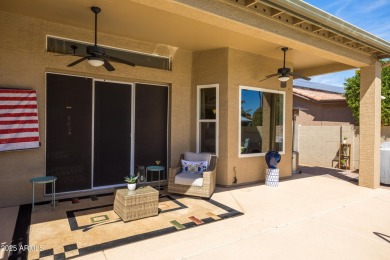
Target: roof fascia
(330, 22)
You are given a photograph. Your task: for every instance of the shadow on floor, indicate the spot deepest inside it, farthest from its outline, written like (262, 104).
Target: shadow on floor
(349, 176)
(383, 236)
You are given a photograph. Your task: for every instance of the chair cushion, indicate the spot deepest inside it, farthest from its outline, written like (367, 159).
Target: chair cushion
(190, 179)
(196, 157)
(193, 167)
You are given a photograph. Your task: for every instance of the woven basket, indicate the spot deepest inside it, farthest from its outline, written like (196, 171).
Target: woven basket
(141, 203)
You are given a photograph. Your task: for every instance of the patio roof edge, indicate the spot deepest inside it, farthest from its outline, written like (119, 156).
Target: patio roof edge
(338, 25)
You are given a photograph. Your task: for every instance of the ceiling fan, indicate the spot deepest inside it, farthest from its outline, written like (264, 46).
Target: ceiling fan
(284, 73)
(96, 55)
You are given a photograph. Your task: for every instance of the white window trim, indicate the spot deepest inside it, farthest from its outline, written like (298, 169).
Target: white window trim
(241, 87)
(216, 120)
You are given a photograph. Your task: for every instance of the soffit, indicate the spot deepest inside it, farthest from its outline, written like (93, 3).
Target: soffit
(129, 19)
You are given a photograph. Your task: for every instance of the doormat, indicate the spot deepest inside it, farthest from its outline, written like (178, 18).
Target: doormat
(73, 230)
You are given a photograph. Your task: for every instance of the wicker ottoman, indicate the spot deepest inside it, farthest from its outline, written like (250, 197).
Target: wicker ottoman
(141, 203)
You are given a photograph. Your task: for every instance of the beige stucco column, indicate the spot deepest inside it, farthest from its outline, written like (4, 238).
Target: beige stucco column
(370, 125)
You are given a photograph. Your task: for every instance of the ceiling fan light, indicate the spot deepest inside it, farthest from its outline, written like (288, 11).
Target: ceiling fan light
(95, 61)
(283, 78)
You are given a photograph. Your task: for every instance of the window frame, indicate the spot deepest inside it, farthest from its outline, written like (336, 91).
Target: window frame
(199, 121)
(242, 87)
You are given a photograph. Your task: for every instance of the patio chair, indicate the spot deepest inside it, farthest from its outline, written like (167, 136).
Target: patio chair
(186, 183)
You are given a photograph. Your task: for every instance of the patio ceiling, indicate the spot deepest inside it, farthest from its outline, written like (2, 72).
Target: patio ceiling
(203, 25)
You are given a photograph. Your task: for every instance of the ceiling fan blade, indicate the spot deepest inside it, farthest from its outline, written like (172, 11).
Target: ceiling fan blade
(77, 61)
(108, 65)
(283, 84)
(269, 76)
(121, 60)
(297, 76)
(66, 54)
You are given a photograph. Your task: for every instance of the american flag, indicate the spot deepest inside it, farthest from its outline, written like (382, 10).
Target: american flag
(18, 119)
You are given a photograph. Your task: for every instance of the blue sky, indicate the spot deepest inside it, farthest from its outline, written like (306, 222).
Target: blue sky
(370, 15)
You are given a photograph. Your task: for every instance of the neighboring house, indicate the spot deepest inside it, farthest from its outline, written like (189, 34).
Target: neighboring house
(321, 105)
(197, 73)
(324, 120)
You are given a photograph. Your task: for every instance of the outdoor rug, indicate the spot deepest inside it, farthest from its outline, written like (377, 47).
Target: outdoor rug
(81, 226)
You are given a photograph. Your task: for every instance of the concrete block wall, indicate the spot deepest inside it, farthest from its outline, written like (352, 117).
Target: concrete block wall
(319, 145)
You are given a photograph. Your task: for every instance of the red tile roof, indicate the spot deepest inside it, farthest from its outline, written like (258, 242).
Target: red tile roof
(316, 95)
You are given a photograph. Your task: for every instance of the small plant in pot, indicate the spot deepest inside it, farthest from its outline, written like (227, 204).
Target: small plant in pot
(343, 163)
(345, 140)
(131, 182)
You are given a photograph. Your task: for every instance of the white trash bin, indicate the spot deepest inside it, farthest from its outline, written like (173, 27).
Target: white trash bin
(385, 163)
(272, 177)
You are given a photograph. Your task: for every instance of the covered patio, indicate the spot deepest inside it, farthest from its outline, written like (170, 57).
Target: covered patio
(225, 47)
(319, 214)
(200, 63)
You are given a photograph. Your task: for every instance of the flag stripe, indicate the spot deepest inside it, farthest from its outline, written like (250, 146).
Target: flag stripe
(19, 118)
(17, 106)
(23, 110)
(18, 130)
(18, 146)
(18, 135)
(19, 140)
(14, 122)
(17, 91)
(18, 95)
(18, 114)
(20, 102)
(18, 98)
(18, 126)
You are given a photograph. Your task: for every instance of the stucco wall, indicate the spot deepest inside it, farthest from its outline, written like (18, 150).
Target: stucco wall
(333, 114)
(241, 69)
(247, 69)
(23, 63)
(210, 67)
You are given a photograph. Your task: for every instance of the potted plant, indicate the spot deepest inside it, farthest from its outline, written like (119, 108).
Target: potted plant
(345, 140)
(131, 182)
(343, 163)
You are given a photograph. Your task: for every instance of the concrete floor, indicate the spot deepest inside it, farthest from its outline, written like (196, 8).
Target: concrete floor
(319, 214)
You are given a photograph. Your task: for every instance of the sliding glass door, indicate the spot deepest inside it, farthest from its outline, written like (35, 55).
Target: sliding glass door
(151, 125)
(97, 132)
(112, 133)
(68, 132)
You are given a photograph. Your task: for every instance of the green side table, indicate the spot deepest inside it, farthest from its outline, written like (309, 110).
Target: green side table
(158, 169)
(44, 180)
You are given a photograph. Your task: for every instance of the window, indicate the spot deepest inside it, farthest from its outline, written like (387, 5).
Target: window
(261, 121)
(63, 46)
(207, 119)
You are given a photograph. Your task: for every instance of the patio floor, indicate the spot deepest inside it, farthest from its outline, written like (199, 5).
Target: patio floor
(319, 214)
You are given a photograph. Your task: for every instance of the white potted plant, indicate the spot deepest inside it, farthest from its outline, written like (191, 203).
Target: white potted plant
(345, 140)
(131, 182)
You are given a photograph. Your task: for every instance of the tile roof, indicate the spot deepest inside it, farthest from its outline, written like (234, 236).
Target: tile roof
(317, 95)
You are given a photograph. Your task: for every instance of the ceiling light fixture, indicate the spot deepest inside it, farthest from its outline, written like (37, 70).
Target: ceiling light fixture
(283, 78)
(95, 61)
